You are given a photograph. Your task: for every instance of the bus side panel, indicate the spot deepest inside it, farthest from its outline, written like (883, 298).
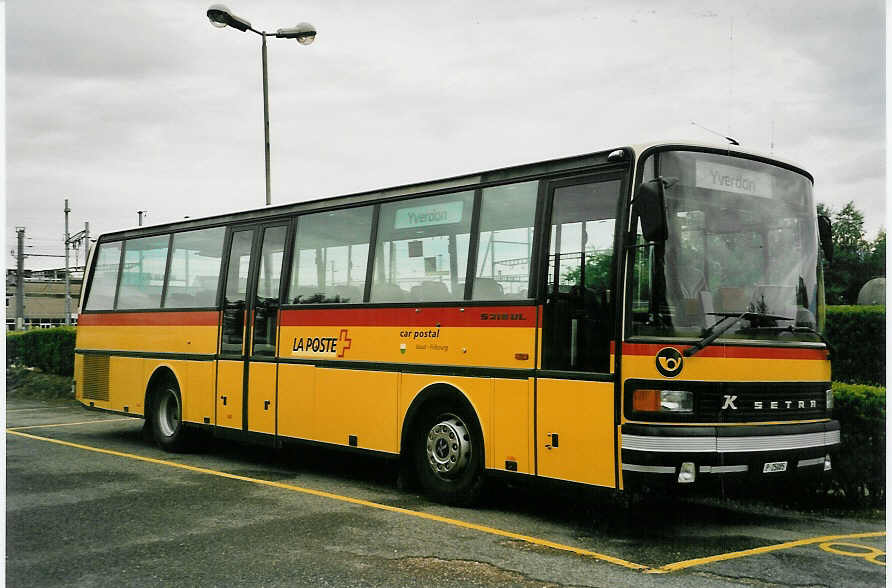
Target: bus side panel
(296, 401)
(512, 410)
(127, 384)
(262, 397)
(575, 431)
(498, 337)
(358, 403)
(193, 332)
(230, 393)
(478, 391)
(198, 392)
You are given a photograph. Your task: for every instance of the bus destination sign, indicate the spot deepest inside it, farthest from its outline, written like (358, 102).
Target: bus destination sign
(443, 213)
(716, 176)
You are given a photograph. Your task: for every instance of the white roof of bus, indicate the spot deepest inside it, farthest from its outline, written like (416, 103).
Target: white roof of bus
(466, 179)
(642, 147)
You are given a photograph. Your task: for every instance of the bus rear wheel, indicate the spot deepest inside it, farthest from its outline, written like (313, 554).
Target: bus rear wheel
(448, 455)
(167, 422)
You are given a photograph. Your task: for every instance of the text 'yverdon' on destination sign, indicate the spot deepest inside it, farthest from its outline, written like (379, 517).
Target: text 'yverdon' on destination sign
(443, 213)
(715, 176)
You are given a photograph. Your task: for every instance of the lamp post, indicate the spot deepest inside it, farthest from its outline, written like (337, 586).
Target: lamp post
(304, 33)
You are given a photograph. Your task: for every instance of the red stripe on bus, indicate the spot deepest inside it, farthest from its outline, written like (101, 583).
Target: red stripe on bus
(199, 318)
(470, 316)
(729, 351)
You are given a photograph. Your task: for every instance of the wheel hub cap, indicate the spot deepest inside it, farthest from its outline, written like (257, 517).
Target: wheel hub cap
(448, 446)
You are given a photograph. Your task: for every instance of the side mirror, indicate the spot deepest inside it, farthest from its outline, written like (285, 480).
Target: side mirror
(650, 205)
(825, 233)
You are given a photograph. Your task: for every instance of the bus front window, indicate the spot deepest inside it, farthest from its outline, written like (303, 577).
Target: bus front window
(742, 239)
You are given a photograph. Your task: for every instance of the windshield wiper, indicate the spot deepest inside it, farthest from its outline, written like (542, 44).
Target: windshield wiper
(796, 329)
(716, 331)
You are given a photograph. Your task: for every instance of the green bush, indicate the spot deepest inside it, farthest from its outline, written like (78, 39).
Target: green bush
(49, 350)
(857, 336)
(23, 382)
(859, 470)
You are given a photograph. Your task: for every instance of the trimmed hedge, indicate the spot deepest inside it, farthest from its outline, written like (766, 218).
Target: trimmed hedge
(49, 350)
(857, 336)
(859, 470)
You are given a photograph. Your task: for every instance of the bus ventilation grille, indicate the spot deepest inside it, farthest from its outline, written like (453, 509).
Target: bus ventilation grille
(95, 377)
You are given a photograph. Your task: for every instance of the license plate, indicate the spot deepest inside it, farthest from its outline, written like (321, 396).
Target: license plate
(774, 466)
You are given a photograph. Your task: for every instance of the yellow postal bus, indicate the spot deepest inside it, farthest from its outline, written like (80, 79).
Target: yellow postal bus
(637, 315)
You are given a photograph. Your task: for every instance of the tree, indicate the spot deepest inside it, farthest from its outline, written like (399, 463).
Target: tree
(855, 260)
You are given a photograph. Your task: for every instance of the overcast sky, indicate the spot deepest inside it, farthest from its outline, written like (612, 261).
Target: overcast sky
(134, 105)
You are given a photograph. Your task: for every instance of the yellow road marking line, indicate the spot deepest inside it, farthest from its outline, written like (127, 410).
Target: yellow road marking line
(69, 424)
(357, 501)
(24, 409)
(679, 565)
(871, 554)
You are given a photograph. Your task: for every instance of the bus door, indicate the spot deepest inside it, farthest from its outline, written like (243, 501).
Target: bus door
(575, 387)
(247, 370)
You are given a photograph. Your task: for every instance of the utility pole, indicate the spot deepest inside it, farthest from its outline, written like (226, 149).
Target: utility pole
(67, 273)
(20, 280)
(74, 240)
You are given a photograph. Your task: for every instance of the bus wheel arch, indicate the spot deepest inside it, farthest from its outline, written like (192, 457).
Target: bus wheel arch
(164, 410)
(442, 441)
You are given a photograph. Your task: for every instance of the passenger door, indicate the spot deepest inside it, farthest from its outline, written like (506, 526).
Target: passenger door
(247, 369)
(261, 394)
(575, 387)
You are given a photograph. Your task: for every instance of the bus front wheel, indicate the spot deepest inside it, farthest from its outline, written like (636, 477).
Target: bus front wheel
(448, 455)
(167, 413)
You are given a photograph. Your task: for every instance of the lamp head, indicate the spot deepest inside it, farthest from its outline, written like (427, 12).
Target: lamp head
(221, 17)
(305, 33)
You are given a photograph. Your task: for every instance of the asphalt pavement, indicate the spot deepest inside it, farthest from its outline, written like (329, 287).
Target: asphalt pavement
(89, 502)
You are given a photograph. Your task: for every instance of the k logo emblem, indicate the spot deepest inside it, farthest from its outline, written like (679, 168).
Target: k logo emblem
(669, 362)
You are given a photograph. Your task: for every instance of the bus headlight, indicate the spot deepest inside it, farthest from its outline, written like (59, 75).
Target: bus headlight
(663, 401)
(829, 400)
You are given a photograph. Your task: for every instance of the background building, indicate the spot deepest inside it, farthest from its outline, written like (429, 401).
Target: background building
(44, 297)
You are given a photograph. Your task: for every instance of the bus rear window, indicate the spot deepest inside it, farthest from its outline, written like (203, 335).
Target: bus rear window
(105, 277)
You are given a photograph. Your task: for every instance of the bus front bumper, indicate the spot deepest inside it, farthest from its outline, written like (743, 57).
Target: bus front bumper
(685, 454)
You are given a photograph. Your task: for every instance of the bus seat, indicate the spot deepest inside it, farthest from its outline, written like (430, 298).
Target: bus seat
(487, 289)
(387, 292)
(179, 300)
(779, 300)
(348, 293)
(732, 300)
(429, 291)
(707, 307)
(305, 294)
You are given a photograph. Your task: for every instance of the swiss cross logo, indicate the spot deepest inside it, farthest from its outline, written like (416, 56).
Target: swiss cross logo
(344, 342)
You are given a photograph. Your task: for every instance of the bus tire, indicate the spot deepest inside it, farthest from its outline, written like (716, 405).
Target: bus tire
(167, 421)
(448, 454)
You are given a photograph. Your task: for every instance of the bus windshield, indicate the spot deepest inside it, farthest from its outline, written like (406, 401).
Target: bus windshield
(742, 241)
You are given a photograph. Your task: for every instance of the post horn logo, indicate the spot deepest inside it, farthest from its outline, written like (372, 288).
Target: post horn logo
(669, 362)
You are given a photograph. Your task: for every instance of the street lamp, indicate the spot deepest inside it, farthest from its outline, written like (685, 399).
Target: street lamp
(304, 33)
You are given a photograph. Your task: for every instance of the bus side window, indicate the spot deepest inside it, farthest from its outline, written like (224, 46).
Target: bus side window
(194, 269)
(142, 277)
(331, 254)
(422, 250)
(506, 241)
